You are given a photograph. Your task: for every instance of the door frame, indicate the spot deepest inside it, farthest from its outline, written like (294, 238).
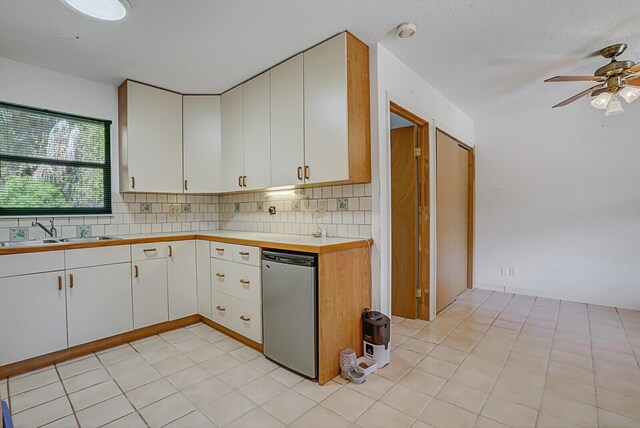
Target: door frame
(423, 209)
(471, 202)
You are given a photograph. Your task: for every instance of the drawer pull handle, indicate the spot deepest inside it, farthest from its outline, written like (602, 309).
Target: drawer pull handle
(221, 309)
(220, 250)
(240, 181)
(70, 280)
(135, 267)
(220, 275)
(170, 251)
(133, 182)
(244, 181)
(299, 173)
(245, 282)
(149, 250)
(59, 283)
(186, 184)
(243, 318)
(244, 254)
(306, 172)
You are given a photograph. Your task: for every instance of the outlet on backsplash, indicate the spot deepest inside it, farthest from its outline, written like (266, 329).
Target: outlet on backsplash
(174, 210)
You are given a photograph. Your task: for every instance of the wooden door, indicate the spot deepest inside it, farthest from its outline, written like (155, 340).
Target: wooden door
(452, 202)
(326, 133)
(99, 302)
(154, 139)
(287, 123)
(32, 315)
(257, 133)
(404, 222)
(201, 141)
(232, 129)
(150, 304)
(182, 279)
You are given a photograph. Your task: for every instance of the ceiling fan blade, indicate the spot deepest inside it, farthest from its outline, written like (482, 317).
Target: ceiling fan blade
(635, 68)
(578, 96)
(574, 79)
(634, 81)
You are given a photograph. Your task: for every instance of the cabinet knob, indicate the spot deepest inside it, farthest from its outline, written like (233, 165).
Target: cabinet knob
(135, 268)
(170, 251)
(306, 172)
(243, 318)
(70, 280)
(133, 182)
(59, 283)
(244, 181)
(186, 184)
(240, 180)
(221, 309)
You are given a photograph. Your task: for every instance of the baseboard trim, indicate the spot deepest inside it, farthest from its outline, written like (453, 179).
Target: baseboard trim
(41, 361)
(255, 345)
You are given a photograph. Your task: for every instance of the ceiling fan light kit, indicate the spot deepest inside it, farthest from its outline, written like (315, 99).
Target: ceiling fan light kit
(618, 77)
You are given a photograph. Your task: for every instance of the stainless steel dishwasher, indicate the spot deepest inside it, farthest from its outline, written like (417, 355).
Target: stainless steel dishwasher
(289, 310)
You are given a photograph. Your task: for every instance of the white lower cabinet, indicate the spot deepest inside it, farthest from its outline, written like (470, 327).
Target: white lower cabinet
(236, 289)
(203, 277)
(181, 273)
(150, 301)
(33, 318)
(98, 302)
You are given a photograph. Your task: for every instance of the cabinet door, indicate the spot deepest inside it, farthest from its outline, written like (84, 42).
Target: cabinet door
(287, 123)
(154, 139)
(232, 119)
(150, 305)
(257, 134)
(326, 141)
(203, 273)
(201, 143)
(99, 302)
(32, 316)
(181, 268)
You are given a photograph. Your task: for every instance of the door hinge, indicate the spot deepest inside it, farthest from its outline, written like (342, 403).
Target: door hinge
(417, 151)
(418, 293)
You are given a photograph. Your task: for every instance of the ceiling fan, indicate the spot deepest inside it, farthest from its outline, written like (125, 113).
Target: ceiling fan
(616, 78)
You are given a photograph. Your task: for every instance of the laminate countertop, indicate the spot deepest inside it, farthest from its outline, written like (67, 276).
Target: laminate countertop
(307, 244)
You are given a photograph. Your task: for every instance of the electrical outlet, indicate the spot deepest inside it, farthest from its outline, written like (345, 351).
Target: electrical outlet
(322, 207)
(513, 271)
(272, 210)
(174, 210)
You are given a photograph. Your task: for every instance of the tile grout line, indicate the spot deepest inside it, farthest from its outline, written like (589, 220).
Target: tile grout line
(64, 388)
(546, 372)
(593, 366)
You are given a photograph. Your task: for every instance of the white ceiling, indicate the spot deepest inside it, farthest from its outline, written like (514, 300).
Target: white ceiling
(487, 56)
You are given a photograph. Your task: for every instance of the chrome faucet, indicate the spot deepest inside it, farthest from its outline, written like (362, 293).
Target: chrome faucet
(53, 232)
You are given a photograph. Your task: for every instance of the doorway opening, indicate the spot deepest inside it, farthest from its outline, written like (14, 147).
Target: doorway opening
(409, 214)
(454, 218)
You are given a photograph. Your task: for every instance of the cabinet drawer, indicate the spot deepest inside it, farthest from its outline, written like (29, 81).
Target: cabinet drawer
(242, 317)
(153, 250)
(21, 264)
(237, 280)
(221, 309)
(223, 251)
(85, 257)
(247, 255)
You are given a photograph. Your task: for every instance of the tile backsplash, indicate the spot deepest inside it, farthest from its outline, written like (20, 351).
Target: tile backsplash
(346, 213)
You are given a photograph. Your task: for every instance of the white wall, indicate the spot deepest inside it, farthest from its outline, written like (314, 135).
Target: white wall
(392, 80)
(558, 198)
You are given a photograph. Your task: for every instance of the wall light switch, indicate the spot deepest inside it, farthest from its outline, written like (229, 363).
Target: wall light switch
(513, 271)
(174, 210)
(504, 271)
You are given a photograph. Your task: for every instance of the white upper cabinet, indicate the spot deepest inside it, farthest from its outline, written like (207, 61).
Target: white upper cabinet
(257, 136)
(287, 123)
(150, 139)
(201, 143)
(325, 112)
(232, 115)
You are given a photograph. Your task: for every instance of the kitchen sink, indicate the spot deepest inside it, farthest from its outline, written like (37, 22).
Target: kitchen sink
(89, 239)
(39, 242)
(34, 242)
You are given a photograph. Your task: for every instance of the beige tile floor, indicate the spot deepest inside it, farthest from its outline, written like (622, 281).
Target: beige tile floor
(491, 360)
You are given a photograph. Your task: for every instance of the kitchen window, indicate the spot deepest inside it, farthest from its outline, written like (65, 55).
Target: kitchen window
(53, 163)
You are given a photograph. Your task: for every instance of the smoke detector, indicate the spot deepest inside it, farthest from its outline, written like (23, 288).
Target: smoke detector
(406, 30)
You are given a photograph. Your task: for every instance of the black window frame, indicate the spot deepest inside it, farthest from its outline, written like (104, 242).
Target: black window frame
(105, 167)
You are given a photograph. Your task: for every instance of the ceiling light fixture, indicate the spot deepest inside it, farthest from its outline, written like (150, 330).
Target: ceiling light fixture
(601, 101)
(406, 30)
(630, 93)
(614, 107)
(104, 10)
